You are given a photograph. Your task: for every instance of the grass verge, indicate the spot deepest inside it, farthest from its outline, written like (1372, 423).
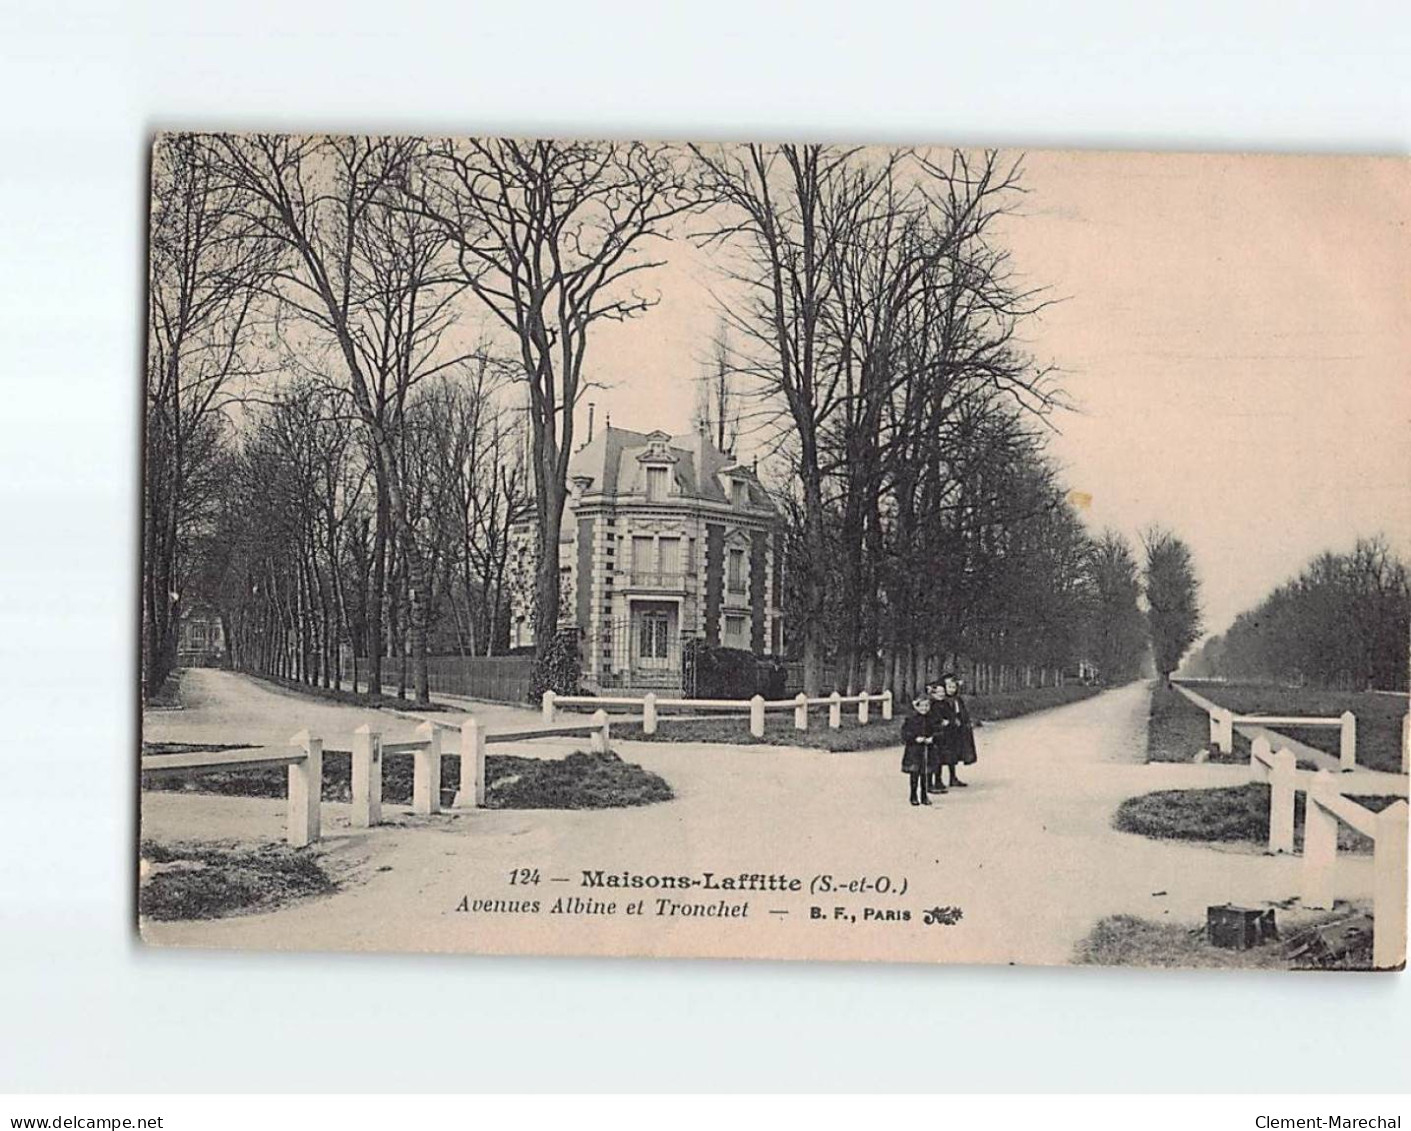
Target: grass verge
(1177, 730)
(1225, 815)
(876, 735)
(196, 880)
(1126, 940)
(1378, 716)
(578, 781)
(351, 698)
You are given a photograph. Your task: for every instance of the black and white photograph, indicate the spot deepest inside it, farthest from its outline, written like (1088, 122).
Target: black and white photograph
(791, 551)
(727, 566)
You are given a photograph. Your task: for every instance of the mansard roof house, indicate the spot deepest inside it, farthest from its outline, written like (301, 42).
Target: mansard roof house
(665, 538)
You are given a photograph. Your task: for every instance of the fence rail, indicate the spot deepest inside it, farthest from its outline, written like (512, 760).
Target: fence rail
(305, 787)
(1223, 722)
(652, 707)
(368, 751)
(1326, 806)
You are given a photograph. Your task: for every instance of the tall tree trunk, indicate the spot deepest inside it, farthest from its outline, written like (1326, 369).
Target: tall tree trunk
(377, 593)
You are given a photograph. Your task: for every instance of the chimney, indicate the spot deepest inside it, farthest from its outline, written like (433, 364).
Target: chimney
(591, 408)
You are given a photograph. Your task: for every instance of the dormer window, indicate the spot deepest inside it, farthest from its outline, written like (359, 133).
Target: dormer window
(658, 482)
(739, 493)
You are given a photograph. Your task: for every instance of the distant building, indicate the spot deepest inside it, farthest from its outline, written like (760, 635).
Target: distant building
(200, 640)
(665, 538)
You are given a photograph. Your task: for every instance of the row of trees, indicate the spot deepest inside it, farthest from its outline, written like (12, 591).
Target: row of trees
(333, 320)
(879, 357)
(298, 553)
(325, 456)
(1342, 622)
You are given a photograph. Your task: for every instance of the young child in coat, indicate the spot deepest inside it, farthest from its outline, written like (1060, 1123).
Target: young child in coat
(955, 733)
(919, 757)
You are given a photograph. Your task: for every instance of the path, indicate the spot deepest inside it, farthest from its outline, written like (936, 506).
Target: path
(227, 707)
(1027, 852)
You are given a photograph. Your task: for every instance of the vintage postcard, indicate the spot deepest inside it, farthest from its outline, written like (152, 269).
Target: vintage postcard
(775, 551)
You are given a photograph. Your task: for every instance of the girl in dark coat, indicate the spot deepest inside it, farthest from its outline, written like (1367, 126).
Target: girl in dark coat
(955, 734)
(919, 757)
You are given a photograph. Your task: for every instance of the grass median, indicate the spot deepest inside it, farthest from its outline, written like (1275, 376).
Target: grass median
(1237, 814)
(579, 781)
(201, 880)
(1379, 716)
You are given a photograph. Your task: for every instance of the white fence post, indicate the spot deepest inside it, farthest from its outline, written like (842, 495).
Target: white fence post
(601, 737)
(649, 713)
(1389, 888)
(470, 793)
(1260, 752)
(1320, 846)
(1347, 746)
(547, 706)
(862, 700)
(801, 711)
(305, 791)
(757, 716)
(367, 777)
(1282, 789)
(426, 771)
(1225, 736)
(887, 705)
(835, 711)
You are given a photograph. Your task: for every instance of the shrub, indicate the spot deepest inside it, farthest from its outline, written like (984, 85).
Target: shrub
(733, 673)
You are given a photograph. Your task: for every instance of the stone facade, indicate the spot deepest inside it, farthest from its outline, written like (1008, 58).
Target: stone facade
(665, 539)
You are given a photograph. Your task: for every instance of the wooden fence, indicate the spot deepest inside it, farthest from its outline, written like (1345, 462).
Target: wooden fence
(1326, 806)
(1223, 722)
(368, 752)
(305, 764)
(652, 707)
(500, 679)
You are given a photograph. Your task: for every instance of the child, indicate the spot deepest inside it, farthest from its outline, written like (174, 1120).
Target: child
(940, 725)
(956, 734)
(919, 758)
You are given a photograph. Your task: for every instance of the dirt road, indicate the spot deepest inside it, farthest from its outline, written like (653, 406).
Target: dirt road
(1026, 853)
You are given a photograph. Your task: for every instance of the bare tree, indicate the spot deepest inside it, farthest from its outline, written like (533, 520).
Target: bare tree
(876, 310)
(717, 400)
(369, 275)
(207, 267)
(549, 236)
(771, 201)
(1116, 634)
(483, 494)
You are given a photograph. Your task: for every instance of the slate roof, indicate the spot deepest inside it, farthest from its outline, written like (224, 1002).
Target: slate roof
(610, 461)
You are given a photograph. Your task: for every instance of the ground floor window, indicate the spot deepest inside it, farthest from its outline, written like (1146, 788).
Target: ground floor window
(736, 629)
(652, 635)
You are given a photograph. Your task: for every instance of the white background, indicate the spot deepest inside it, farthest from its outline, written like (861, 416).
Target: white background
(82, 87)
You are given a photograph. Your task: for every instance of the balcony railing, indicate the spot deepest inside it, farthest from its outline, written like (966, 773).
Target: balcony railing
(671, 581)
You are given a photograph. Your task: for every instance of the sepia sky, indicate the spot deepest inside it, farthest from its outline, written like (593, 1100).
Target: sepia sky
(1234, 333)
